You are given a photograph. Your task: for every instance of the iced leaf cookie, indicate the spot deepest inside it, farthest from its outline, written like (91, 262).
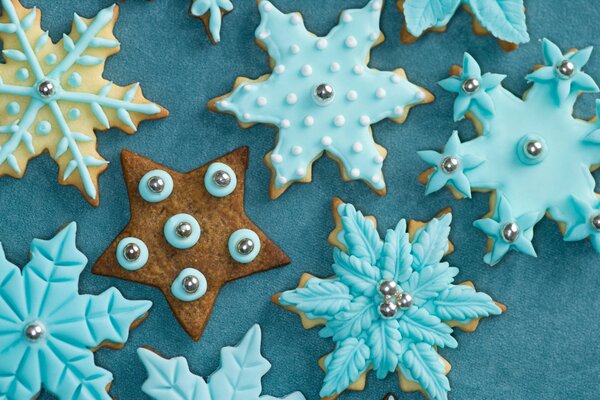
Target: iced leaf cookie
(211, 13)
(390, 305)
(322, 96)
(188, 234)
(53, 96)
(504, 19)
(531, 153)
(49, 330)
(238, 377)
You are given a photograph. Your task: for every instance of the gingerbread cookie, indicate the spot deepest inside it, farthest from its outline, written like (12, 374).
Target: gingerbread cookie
(49, 330)
(390, 305)
(54, 96)
(322, 96)
(531, 153)
(211, 13)
(504, 19)
(188, 234)
(238, 377)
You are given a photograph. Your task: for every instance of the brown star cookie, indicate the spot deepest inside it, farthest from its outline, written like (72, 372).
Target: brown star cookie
(160, 245)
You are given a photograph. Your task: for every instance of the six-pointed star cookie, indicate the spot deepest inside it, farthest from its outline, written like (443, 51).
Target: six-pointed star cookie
(188, 234)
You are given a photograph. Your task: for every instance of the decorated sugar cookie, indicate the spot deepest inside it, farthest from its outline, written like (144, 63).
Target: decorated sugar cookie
(390, 305)
(211, 13)
(188, 234)
(531, 153)
(505, 19)
(238, 376)
(53, 96)
(322, 96)
(49, 330)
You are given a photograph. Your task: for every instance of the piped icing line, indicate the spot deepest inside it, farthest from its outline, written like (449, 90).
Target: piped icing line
(322, 96)
(57, 71)
(212, 10)
(390, 304)
(531, 152)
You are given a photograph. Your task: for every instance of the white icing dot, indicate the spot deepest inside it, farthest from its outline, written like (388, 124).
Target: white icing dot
(285, 123)
(376, 5)
(351, 42)
(276, 158)
(396, 78)
(380, 93)
(263, 35)
(224, 103)
(279, 69)
(249, 88)
(326, 141)
(322, 44)
(358, 69)
(365, 120)
(376, 178)
(420, 95)
(283, 180)
(300, 171)
(267, 6)
(295, 19)
(295, 49)
(357, 147)
(399, 111)
(335, 67)
(346, 17)
(246, 116)
(261, 101)
(297, 150)
(352, 95)
(291, 98)
(306, 70)
(309, 121)
(374, 36)
(339, 121)
(378, 159)
(355, 172)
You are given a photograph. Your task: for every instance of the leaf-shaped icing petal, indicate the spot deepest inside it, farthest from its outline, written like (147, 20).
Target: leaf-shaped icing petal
(319, 298)
(463, 303)
(431, 242)
(429, 281)
(344, 366)
(360, 235)
(504, 19)
(359, 275)
(384, 341)
(421, 15)
(420, 326)
(396, 259)
(426, 368)
(351, 322)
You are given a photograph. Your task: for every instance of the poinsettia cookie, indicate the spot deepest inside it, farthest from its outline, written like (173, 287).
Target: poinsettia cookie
(53, 96)
(322, 96)
(188, 234)
(531, 153)
(49, 330)
(390, 305)
(211, 13)
(504, 19)
(238, 376)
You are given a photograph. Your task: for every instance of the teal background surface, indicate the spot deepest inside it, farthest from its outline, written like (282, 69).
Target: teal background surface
(544, 347)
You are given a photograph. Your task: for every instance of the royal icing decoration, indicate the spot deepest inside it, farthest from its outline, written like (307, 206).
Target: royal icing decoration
(390, 304)
(213, 10)
(191, 243)
(49, 330)
(505, 19)
(531, 152)
(322, 96)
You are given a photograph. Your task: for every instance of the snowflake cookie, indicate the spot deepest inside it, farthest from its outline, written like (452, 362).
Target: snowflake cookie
(49, 330)
(238, 377)
(531, 153)
(188, 234)
(390, 305)
(322, 96)
(505, 19)
(211, 13)
(54, 96)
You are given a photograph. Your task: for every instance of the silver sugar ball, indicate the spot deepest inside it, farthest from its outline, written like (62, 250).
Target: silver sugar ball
(470, 85)
(388, 310)
(534, 148)
(190, 284)
(404, 300)
(595, 221)
(566, 68)
(46, 89)
(132, 252)
(388, 288)
(449, 164)
(34, 331)
(221, 178)
(183, 230)
(510, 232)
(245, 246)
(324, 92)
(156, 184)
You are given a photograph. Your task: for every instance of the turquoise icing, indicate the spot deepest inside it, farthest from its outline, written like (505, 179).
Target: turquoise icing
(212, 187)
(127, 264)
(148, 194)
(43, 128)
(97, 102)
(177, 241)
(74, 80)
(557, 180)
(74, 113)
(45, 293)
(349, 303)
(307, 128)
(505, 19)
(238, 376)
(234, 240)
(22, 74)
(214, 7)
(180, 293)
(13, 108)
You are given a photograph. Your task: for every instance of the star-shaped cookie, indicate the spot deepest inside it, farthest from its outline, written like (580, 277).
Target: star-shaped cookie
(188, 234)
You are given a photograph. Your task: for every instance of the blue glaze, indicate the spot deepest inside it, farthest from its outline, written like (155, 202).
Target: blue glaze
(236, 237)
(50, 59)
(74, 80)
(74, 113)
(177, 241)
(214, 7)
(22, 74)
(212, 187)
(43, 128)
(148, 194)
(13, 108)
(177, 287)
(136, 264)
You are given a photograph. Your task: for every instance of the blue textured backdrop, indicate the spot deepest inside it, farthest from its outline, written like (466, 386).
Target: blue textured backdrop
(544, 347)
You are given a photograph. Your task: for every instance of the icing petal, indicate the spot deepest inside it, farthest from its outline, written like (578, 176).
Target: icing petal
(421, 15)
(563, 89)
(344, 366)
(504, 209)
(488, 226)
(581, 57)
(471, 68)
(490, 81)
(471, 161)
(527, 221)
(595, 239)
(461, 106)
(451, 84)
(453, 145)
(499, 250)
(461, 183)
(524, 246)
(434, 158)
(437, 180)
(504, 19)
(542, 74)
(552, 53)
(577, 232)
(585, 83)
(485, 103)
(593, 137)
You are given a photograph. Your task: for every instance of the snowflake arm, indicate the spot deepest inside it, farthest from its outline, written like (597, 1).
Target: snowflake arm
(216, 8)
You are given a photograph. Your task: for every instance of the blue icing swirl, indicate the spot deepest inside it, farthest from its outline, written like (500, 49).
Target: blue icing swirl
(211, 185)
(132, 265)
(179, 242)
(178, 287)
(234, 241)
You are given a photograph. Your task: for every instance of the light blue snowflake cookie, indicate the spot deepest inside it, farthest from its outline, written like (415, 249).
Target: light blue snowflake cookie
(390, 305)
(48, 330)
(211, 13)
(322, 96)
(531, 152)
(54, 96)
(238, 377)
(505, 19)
